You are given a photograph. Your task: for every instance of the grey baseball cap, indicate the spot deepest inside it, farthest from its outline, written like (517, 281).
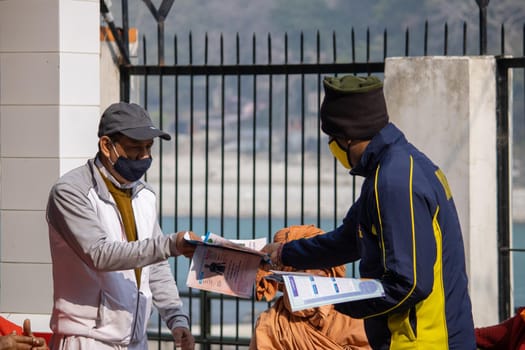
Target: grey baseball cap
(131, 120)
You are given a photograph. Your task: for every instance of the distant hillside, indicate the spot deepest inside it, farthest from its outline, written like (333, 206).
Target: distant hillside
(247, 19)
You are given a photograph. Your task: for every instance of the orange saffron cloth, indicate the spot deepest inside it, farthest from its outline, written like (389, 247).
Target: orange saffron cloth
(278, 328)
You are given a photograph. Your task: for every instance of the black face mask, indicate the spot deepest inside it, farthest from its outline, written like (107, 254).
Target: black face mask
(131, 170)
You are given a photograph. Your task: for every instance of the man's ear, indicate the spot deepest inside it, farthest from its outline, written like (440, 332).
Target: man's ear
(104, 144)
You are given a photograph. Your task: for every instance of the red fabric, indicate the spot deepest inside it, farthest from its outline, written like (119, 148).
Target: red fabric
(510, 334)
(8, 327)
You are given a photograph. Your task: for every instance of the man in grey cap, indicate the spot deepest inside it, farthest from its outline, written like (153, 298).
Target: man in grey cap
(108, 252)
(403, 228)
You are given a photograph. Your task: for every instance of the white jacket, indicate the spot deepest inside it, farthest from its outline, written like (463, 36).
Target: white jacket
(95, 288)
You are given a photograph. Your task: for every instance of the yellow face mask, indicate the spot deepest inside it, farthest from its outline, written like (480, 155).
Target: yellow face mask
(339, 153)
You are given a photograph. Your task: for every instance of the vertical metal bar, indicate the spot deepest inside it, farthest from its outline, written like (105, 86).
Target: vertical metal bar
(334, 60)
(254, 134)
(145, 53)
(367, 45)
(192, 105)
(445, 40)
(482, 4)
(352, 39)
(205, 309)
(161, 144)
(221, 55)
(161, 180)
(205, 312)
(336, 219)
(222, 113)
(302, 131)
(125, 27)
(523, 76)
(124, 83)
(464, 38)
(318, 131)
(334, 46)
(353, 47)
(176, 106)
(407, 37)
(238, 135)
(385, 44)
(206, 136)
(176, 161)
(201, 298)
(334, 160)
(270, 139)
(503, 207)
(254, 149)
(286, 130)
(502, 149)
(367, 50)
(160, 41)
(160, 16)
(502, 34)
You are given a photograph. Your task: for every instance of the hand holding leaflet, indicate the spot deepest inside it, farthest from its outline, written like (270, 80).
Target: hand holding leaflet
(225, 266)
(252, 246)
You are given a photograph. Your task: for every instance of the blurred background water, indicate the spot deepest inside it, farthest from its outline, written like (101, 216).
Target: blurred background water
(518, 262)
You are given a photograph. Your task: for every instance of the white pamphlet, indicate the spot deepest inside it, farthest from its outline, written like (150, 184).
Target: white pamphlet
(306, 290)
(225, 266)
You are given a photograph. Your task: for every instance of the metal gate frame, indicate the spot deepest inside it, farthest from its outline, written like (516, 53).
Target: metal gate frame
(503, 137)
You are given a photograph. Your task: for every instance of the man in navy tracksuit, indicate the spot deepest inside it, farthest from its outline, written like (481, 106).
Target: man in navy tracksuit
(404, 228)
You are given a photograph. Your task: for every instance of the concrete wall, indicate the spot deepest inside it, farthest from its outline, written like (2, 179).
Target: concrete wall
(447, 108)
(49, 97)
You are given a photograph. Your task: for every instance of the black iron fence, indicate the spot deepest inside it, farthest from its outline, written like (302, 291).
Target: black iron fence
(507, 243)
(248, 157)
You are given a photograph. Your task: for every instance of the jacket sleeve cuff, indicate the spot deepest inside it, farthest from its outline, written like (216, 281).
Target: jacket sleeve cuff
(178, 321)
(173, 251)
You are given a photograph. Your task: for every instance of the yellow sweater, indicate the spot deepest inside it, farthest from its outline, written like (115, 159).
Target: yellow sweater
(123, 199)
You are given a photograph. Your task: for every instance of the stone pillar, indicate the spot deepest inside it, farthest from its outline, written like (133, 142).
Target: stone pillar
(49, 109)
(447, 108)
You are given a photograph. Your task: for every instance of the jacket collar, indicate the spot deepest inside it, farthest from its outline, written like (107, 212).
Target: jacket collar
(99, 184)
(373, 153)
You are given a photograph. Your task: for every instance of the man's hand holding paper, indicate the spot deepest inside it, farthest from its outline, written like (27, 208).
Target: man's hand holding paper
(182, 245)
(273, 251)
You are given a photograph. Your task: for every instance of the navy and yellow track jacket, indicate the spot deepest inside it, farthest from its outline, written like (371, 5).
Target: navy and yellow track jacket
(405, 231)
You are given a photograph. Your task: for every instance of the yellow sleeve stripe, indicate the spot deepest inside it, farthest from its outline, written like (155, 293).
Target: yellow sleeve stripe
(443, 179)
(414, 267)
(379, 217)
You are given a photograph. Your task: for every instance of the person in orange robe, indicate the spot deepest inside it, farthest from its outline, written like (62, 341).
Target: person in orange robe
(278, 328)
